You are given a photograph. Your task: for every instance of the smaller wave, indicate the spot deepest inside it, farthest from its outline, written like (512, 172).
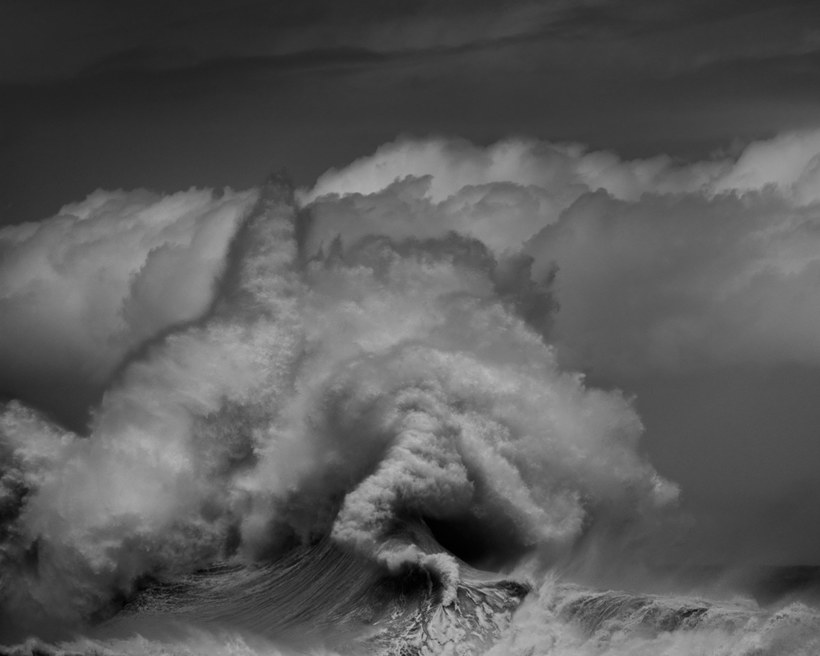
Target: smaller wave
(563, 619)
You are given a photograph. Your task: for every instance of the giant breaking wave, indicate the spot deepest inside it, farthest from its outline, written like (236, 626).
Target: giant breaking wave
(361, 442)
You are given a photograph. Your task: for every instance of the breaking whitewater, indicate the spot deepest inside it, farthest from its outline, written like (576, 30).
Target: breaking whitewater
(358, 443)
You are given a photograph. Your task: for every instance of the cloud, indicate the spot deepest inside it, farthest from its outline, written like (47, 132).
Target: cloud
(153, 36)
(658, 265)
(563, 171)
(150, 36)
(501, 195)
(683, 282)
(789, 163)
(80, 290)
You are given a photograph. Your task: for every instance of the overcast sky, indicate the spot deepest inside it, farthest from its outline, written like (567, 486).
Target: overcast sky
(211, 93)
(214, 92)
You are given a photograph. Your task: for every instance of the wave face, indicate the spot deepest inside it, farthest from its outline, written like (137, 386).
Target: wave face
(363, 446)
(325, 595)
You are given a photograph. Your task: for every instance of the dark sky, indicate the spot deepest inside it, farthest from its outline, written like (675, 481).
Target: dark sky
(171, 94)
(166, 95)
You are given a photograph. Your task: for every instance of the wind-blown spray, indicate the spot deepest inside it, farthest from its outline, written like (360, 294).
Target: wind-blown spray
(365, 439)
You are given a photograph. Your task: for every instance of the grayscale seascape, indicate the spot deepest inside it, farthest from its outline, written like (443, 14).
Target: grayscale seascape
(480, 368)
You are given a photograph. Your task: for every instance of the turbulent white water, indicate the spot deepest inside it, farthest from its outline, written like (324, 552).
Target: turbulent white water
(363, 441)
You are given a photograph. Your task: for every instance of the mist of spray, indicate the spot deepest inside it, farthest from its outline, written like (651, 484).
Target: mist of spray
(388, 349)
